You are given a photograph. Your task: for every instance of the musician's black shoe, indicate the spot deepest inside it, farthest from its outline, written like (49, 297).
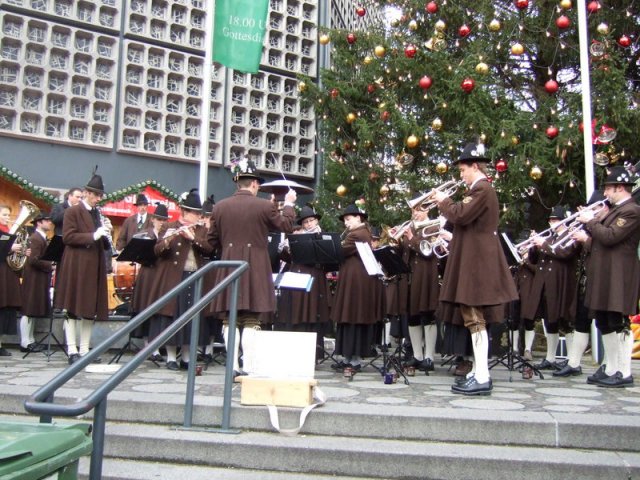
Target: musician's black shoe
(73, 358)
(32, 348)
(568, 371)
(472, 387)
(173, 366)
(546, 365)
(414, 362)
(428, 365)
(4, 352)
(616, 381)
(184, 365)
(598, 375)
(339, 366)
(460, 380)
(156, 357)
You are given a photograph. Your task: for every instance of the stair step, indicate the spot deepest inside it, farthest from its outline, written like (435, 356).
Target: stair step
(364, 457)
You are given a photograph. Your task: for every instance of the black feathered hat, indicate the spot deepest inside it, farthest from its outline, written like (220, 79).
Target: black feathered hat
(245, 168)
(191, 200)
(619, 176)
(161, 212)
(558, 212)
(207, 205)
(95, 185)
(307, 212)
(473, 152)
(353, 210)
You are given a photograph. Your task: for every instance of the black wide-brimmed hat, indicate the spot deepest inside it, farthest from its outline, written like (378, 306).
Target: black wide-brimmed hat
(245, 168)
(41, 216)
(353, 210)
(619, 176)
(307, 212)
(558, 212)
(141, 199)
(473, 152)
(95, 185)
(375, 233)
(207, 205)
(161, 212)
(191, 200)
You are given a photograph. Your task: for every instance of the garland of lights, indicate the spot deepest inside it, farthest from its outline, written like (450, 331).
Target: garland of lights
(23, 183)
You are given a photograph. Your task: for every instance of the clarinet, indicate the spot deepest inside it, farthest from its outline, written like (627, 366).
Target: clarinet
(107, 240)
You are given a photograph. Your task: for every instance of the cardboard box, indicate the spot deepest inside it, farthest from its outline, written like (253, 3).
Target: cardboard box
(279, 392)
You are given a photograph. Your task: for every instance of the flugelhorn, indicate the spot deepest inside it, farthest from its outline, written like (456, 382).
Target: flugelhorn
(28, 211)
(426, 201)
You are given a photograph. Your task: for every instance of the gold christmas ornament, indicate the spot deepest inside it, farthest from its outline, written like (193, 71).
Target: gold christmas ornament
(517, 49)
(566, 4)
(440, 26)
(535, 173)
(603, 29)
(482, 68)
(442, 168)
(384, 190)
(413, 25)
(412, 141)
(341, 191)
(494, 25)
(302, 86)
(515, 140)
(324, 39)
(351, 117)
(367, 60)
(436, 124)
(379, 51)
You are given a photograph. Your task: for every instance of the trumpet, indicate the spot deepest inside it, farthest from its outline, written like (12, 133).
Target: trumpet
(525, 245)
(439, 247)
(426, 201)
(573, 225)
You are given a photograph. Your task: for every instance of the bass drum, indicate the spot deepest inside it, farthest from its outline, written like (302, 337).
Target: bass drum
(114, 300)
(124, 279)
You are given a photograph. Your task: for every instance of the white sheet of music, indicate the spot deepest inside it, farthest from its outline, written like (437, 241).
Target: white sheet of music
(297, 281)
(369, 260)
(272, 352)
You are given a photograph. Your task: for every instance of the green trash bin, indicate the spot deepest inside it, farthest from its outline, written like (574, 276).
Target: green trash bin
(35, 451)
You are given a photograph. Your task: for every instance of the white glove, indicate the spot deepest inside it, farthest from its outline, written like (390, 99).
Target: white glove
(100, 232)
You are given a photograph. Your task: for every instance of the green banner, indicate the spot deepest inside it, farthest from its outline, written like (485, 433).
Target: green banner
(238, 33)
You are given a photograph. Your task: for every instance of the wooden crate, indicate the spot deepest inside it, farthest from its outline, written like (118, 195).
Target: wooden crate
(278, 392)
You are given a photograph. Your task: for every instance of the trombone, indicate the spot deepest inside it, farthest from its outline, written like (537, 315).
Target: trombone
(426, 201)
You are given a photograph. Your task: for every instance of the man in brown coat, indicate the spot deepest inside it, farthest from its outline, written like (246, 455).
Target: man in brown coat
(81, 287)
(136, 223)
(239, 229)
(36, 283)
(477, 275)
(613, 275)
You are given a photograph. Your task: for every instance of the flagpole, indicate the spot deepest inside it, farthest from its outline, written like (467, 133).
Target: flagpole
(586, 98)
(206, 101)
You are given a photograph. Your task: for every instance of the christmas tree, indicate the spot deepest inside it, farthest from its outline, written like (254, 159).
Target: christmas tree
(400, 102)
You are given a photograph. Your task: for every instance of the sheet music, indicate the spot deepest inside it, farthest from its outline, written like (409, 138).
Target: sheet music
(297, 281)
(369, 260)
(511, 247)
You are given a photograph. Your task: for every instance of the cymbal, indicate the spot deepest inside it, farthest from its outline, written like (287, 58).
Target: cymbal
(281, 187)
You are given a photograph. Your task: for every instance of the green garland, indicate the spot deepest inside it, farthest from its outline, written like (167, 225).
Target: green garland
(23, 183)
(137, 188)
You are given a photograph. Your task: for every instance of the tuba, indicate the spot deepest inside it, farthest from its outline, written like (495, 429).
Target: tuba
(28, 211)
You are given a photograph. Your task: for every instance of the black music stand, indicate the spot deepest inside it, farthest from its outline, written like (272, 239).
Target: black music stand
(140, 251)
(6, 241)
(53, 253)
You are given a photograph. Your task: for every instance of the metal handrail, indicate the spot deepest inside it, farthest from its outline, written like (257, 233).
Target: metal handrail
(41, 402)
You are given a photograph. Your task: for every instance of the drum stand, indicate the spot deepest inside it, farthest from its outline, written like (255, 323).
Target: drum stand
(513, 360)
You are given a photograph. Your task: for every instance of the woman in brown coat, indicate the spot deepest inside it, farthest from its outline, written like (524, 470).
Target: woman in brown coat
(36, 284)
(10, 299)
(181, 249)
(359, 299)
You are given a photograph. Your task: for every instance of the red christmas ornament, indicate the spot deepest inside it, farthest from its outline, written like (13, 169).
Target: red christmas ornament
(432, 7)
(410, 51)
(552, 131)
(384, 116)
(624, 41)
(425, 82)
(464, 30)
(361, 11)
(551, 86)
(501, 166)
(593, 7)
(563, 21)
(351, 38)
(334, 93)
(371, 88)
(468, 84)
(522, 4)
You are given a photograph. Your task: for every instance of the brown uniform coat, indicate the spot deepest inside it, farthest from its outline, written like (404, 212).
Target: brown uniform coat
(477, 273)
(172, 257)
(424, 285)
(613, 268)
(555, 282)
(359, 296)
(129, 228)
(240, 225)
(81, 284)
(36, 280)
